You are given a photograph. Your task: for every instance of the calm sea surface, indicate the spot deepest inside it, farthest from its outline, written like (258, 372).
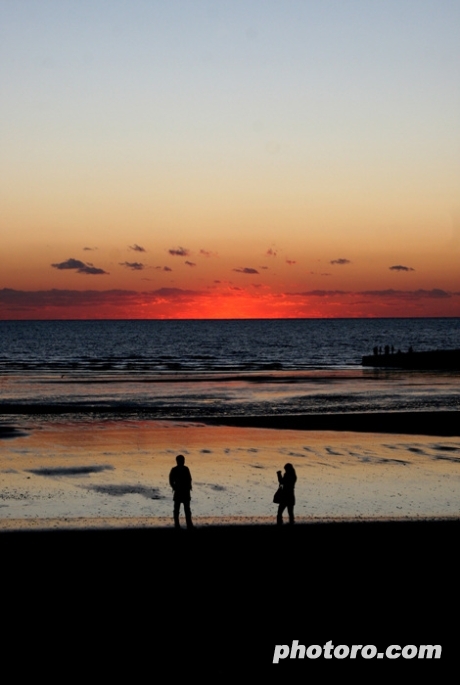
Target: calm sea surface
(181, 369)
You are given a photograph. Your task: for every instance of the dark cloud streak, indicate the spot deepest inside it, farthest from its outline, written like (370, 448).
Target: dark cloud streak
(79, 267)
(246, 270)
(42, 300)
(134, 266)
(179, 252)
(435, 293)
(400, 267)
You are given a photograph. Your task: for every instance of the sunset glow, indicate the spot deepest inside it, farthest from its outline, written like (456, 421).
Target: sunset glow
(230, 160)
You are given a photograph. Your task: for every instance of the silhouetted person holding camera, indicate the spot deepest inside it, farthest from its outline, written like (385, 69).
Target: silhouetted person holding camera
(288, 481)
(180, 479)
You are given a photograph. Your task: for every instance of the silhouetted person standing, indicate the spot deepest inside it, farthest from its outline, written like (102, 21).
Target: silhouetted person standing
(180, 479)
(288, 481)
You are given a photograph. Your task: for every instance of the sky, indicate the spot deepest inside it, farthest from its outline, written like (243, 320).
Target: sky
(227, 159)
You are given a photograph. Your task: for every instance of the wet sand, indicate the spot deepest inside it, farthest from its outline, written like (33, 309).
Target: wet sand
(72, 471)
(409, 422)
(404, 422)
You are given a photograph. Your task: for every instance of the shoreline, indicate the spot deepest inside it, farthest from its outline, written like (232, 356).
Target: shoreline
(434, 423)
(441, 423)
(236, 523)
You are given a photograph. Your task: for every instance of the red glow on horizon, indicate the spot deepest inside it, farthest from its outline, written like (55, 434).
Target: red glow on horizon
(230, 304)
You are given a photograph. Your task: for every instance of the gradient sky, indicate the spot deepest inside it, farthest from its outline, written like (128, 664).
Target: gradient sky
(253, 158)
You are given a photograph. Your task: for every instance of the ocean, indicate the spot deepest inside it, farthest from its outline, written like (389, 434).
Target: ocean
(181, 369)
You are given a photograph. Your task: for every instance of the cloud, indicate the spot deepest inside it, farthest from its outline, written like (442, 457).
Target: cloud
(69, 264)
(179, 252)
(190, 263)
(92, 270)
(45, 300)
(173, 293)
(291, 261)
(89, 249)
(206, 253)
(79, 267)
(435, 293)
(246, 270)
(399, 267)
(271, 252)
(341, 261)
(321, 293)
(172, 303)
(137, 248)
(135, 266)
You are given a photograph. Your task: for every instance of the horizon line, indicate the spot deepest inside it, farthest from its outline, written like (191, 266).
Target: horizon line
(242, 318)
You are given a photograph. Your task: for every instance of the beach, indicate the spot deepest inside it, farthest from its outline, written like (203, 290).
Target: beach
(93, 416)
(72, 472)
(371, 559)
(216, 601)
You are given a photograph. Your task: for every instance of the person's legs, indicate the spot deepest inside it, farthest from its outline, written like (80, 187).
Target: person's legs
(176, 513)
(279, 517)
(188, 514)
(291, 513)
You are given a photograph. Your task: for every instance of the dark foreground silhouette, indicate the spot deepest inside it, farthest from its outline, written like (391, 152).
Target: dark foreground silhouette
(287, 482)
(132, 603)
(180, 479)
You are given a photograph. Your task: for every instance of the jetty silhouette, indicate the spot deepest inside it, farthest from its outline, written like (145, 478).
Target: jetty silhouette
(430, 359)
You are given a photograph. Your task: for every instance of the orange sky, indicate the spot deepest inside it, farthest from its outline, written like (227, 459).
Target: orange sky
(252, 161)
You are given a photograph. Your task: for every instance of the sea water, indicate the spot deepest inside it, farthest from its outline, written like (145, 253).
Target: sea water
(180, 369)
